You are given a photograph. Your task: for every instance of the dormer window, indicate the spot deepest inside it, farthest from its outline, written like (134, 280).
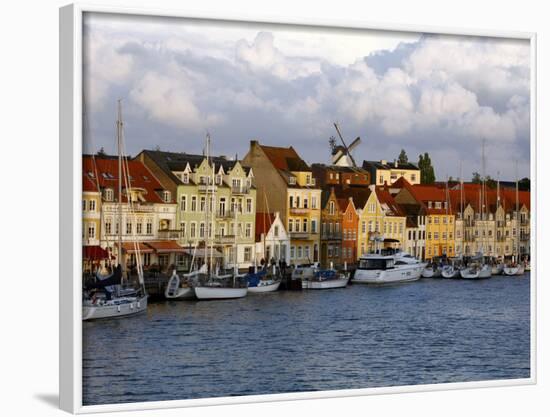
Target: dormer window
(292, 180)
(438, 204)
(166, 196)
(109, 194)
(185, 178)
(218, 179)
(308, 179)
(429, 204)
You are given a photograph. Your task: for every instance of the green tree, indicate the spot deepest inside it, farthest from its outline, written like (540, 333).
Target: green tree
(476, 178)
(403, 158)
(524, 184)
(101, 152)
(427, 173)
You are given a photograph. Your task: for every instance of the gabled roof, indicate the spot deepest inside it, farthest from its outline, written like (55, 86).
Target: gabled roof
(105, 172)
(177, 161)
(471, 195)
(385, 198)
(285, 159)
(263, 224)
(360, 195)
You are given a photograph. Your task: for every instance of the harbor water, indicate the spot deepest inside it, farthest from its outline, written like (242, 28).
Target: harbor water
(425, 332)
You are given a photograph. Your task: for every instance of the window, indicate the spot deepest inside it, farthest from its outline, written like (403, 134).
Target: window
(436, 235)
(194, 203)
(92, 205)
(292, 180)
(305, 202)
(413, 177)
(429, 204)
(139, 228)
(290, 225)
(91, 230)
(308, 179)
(304, 225)
(306, 252)
(201, 230)
(183, 203)
(249, 205)
(314, 202)
(331, 208)
(248, 230)
(429, 235)
(313, 226)
(444, 220)
(108, 226)
(276, 231)
(182, 228)
(291, 201)
(128, 228)
(292, 252)
(438, 204)
(364, 227)
(297, 201)
(370, 226)
(109, 194)
(83, 205)
(193, 231)
(166, 196)
(185, 178)
(247, 254)
(299, 252)
(202, 206)
(436, 220)
(444, 235)
(149, 227)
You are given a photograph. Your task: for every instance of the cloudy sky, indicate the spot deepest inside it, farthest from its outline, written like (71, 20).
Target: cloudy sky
(286, 85)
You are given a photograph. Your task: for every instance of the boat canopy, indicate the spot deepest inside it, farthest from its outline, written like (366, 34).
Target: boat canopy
(94, 253)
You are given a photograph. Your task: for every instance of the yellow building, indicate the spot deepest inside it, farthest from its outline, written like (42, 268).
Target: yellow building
(382, 172)
(382, 220)
(285, 184)
(440, 219)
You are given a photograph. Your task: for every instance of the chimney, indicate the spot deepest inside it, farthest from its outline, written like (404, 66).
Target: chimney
(383, 161)
(253, 143)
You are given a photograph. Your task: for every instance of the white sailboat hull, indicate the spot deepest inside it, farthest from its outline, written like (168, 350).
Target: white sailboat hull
(468, 273)
(497, 269)
(403, 273)
(264, 288)
(119, 308)
(450, 273)
(485, 271)
(218, 293)
(514, 270)
(324, 285)
(427, 273)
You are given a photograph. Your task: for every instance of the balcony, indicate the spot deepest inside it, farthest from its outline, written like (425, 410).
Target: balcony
(299, 235)
(203, 188)
(224, 239)
(143, 208)
(240, 189)
(170, 234)
(225, 214)
(298, 211)
(331, 236)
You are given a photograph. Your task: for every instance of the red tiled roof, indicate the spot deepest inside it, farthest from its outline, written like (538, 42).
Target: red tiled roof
(285, 159)
(105, 171)
(471, 196)
(165, 246)
(263, 224)
(384, 197)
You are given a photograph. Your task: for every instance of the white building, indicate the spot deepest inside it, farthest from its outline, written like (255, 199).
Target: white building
(272, 239)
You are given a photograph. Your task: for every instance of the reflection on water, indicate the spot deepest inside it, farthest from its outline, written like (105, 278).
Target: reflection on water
(429, 331)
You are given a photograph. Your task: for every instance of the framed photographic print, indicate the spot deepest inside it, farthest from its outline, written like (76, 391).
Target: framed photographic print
(259, 210)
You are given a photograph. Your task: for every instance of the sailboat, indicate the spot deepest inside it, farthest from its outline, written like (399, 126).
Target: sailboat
(212, 285)
(106, 298)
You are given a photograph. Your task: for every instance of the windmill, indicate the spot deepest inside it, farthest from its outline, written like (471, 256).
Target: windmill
(341, 155)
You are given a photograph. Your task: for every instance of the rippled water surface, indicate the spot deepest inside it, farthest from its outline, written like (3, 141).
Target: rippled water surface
(429, 331)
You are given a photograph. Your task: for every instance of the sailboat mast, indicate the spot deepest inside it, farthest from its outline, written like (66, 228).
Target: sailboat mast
(119, 149)
(517, 214)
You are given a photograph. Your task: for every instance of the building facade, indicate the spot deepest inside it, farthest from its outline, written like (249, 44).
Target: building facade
(331, 229)
(216, 204)
(285, 183)
(272, 239)
(384, 173)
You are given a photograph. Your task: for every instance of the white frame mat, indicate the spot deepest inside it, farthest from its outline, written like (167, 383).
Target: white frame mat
(70, 184)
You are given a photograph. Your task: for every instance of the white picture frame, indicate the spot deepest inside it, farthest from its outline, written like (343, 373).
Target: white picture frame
(70, 44)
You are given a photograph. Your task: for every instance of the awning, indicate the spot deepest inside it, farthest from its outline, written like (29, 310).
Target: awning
(165, 246)
(131, 247)
(202, 253)
(94, 253)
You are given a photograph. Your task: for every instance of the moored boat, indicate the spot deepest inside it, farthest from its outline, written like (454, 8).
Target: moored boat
(387, 269)
(325, 279)
(260, 282)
